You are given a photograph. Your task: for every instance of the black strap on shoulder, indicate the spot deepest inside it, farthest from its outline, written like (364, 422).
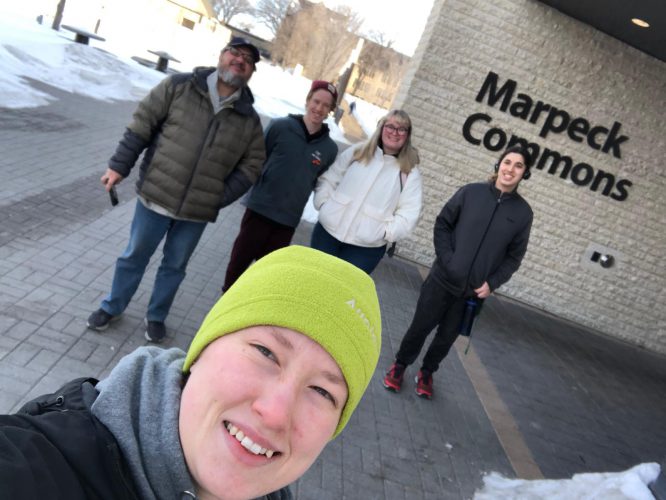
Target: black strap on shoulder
(69, 397)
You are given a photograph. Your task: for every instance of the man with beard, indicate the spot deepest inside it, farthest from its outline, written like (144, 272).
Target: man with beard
(204, 148)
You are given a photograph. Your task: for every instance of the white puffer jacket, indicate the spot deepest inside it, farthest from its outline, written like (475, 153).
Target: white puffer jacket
(362, 204)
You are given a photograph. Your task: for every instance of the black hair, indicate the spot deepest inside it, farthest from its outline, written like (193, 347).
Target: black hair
(522, 151)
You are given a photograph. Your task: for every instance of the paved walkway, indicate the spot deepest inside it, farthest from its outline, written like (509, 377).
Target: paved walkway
(534, 397)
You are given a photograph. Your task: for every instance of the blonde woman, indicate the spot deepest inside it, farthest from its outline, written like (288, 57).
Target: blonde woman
(371, 195)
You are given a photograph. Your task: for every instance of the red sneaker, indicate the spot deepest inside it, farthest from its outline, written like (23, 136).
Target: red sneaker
(393, 378)
(424, 384)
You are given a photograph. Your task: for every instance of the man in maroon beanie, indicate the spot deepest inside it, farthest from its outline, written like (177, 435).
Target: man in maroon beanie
(298, 150)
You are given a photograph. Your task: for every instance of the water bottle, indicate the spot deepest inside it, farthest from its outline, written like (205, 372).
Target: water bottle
(465, 328)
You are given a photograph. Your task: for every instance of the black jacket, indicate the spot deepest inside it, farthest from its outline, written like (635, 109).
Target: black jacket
(294, 161)
(54, 448)
(481, 235)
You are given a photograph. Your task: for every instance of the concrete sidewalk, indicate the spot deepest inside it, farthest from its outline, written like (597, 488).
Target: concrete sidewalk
(534, 397)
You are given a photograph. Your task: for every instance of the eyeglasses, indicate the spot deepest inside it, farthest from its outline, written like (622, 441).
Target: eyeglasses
(392, 129)
(248, 58)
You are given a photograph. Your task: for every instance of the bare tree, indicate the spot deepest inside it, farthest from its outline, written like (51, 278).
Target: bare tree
(226, 10)
(333, 46)
(271, 12)
(352, 19)
(323, 51)
(246, 26)
(381, 38)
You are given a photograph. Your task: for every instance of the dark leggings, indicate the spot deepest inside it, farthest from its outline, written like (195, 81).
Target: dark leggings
(436, 307)
(258, 236)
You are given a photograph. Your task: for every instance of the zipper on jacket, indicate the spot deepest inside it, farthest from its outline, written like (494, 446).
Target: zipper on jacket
(485, 233)
(213, 125)
(116, 459)
(212, 136)
(367, 192)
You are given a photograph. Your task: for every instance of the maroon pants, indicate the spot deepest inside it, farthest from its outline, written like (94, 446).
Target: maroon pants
(258, 236)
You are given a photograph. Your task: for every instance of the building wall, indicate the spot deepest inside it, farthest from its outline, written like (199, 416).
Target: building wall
(377, 74)
(610, 199)
(323, 53)
(265, 46)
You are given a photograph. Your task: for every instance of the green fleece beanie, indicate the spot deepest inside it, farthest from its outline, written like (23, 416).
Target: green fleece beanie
(329, 300)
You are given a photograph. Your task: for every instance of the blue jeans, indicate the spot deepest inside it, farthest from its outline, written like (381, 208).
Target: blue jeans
(365, 258)
(148, 229)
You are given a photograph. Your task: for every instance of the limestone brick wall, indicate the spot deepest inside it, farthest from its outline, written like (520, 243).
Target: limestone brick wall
(572, 67)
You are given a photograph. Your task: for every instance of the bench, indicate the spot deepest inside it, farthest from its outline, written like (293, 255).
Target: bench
(163, 60)
(82, 36)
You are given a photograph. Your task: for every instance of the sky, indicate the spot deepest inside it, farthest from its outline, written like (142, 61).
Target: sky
(30, 50)
(401, 21)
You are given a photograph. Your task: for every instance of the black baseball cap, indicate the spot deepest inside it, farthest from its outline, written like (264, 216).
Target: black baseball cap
(239, 41)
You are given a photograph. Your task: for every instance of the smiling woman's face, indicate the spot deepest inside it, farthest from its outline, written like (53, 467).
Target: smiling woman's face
(510, 172)
(258, 408)
(394, 135)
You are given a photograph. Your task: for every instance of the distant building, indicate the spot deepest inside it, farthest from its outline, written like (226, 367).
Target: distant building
(178, 27)
(265, 46)
(326, 52)
(377, 74)
(322, 52)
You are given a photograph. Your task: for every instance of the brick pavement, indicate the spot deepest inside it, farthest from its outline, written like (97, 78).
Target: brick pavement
(534, 397)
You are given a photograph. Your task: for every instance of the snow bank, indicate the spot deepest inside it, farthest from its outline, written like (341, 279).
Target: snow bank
(628, 485)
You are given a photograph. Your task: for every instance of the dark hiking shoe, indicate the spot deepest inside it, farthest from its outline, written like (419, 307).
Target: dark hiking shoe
(424, 384)
(393, 378)
(155, 331)
(100, 319)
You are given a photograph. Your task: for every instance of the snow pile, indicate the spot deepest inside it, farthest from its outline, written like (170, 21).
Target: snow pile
(30, 51)
(627, 485)
(367, 115)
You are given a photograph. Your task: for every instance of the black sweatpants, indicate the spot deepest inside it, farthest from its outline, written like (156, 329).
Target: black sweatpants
(436, 307)
(258, 236)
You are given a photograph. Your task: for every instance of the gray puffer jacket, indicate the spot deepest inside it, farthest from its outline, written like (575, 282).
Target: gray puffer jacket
(195, 162)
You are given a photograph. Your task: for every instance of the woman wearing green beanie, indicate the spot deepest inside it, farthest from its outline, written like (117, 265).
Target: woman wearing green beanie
(274, 373)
